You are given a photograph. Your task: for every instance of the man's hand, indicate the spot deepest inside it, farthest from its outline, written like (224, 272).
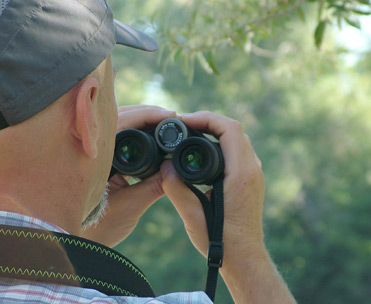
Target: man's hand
(127, 203)
(243, 189)
(247, 269)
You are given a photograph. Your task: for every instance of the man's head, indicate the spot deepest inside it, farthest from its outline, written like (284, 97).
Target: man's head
(46, 47)
(57, 108)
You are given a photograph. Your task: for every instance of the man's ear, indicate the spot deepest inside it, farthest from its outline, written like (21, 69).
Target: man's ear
(86, 128)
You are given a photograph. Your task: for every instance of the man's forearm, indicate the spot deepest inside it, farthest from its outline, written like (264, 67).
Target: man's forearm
(256, 281)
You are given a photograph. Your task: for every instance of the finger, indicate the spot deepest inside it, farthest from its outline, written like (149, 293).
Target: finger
(142, 118)
(126, 206)
(117, 182)
(187, 205)
(258, 161)
(141, 195)
(236, 146)
(215, 124)
(122, 109)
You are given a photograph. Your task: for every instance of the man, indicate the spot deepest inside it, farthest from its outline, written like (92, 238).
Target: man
(59, 119)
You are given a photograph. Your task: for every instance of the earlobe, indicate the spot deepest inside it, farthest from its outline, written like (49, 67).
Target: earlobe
(86, 128)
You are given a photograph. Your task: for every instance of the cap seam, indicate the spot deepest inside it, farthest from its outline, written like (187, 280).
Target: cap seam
(29, 17)
(88, 8)
(68, 56)
(31, 14)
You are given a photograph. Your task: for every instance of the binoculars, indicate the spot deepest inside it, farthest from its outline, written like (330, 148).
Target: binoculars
(196, 159)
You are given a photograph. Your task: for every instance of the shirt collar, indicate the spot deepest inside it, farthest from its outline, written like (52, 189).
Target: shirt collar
(20, 220)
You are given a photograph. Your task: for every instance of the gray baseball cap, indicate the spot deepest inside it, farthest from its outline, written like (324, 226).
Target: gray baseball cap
(48, 46)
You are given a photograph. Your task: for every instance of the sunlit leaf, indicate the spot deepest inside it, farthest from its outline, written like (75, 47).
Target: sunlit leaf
(354, 23)
(211, 61)
(361, 12)
(203, 62)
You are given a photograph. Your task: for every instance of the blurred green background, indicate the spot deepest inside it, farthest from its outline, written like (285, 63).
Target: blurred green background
(297, 75)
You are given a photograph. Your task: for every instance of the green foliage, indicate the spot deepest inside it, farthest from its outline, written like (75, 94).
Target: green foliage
(308, 115)
(204, 28)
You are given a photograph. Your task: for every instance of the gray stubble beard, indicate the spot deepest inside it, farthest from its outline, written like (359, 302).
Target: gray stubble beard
(98, 212)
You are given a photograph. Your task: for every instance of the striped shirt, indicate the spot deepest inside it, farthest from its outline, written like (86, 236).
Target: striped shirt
(19, 291)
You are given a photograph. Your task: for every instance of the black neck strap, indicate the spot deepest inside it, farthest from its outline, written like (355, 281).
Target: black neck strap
(214, 214)
(51, 257)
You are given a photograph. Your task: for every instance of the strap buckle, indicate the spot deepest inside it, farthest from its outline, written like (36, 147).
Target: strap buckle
(215, 254)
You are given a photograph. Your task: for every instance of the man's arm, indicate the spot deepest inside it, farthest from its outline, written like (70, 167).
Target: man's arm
(256, 281)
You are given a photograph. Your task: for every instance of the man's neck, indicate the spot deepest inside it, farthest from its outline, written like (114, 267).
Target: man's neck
(66, 222)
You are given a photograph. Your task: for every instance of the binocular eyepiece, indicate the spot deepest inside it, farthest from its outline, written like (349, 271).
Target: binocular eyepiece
(195, 158)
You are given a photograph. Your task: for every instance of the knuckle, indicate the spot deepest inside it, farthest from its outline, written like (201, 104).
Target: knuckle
(156, 188)
(258, 161)
(251, 176)
(255, 174)
(236, 126)
(206, 113)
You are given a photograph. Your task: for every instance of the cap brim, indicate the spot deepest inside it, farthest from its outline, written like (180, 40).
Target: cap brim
(126, 35)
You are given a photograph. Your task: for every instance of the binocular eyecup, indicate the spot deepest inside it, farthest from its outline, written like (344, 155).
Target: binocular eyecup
(195, 158)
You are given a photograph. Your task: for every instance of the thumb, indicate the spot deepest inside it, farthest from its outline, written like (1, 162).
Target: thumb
(187, 205)
(126, 206)
(140, 196)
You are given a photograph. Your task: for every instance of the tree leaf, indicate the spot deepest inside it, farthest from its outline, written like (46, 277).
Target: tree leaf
(238, 43)
(354, 23)
(319, 33)
(299, 11)
(211, 61)
(161, 53)
(191, 70)
(360, 12)
(177, 55)
(366, 2)
(203, 62)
